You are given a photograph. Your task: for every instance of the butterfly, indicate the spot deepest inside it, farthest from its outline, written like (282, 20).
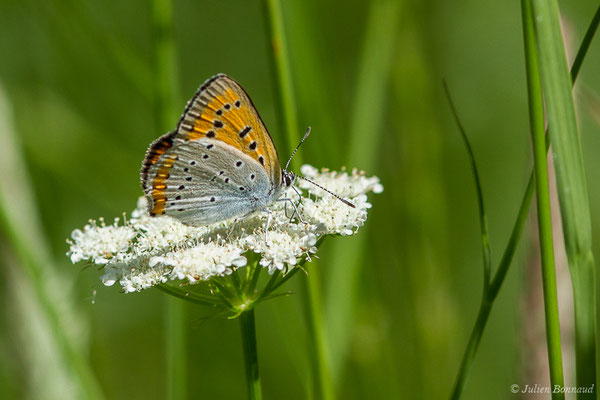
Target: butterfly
(219, 163)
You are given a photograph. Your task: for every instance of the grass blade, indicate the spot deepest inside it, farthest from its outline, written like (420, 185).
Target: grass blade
(165, 98)
(283, 76)
(571, 184)
(536, 117)
(511, 246)
(486, 304)
(485, 238)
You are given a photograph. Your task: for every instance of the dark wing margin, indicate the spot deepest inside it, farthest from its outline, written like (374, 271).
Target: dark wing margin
(204, 111)
(156, 149)
(192, 103)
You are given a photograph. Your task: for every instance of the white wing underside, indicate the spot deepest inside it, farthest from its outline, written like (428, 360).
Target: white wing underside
(212, 181)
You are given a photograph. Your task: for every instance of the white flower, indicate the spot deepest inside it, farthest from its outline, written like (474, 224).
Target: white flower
(145, 251)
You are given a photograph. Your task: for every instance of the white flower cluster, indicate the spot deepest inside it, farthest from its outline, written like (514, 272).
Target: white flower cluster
(145, 251)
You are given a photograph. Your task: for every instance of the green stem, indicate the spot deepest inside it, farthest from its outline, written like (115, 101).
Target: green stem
(312, 304)
(585, 341)
(256, 269)
(509, 252)
(175, 347)
(165, 80)
(536, 116)
(281, 68)
(571, 184)
(483, 225)
(187, 295)
(585, 44)
(488, 298)
(318, 356)
(287, 277)
(248, 329)
(471, 350)
(165, 98)
(267, 289)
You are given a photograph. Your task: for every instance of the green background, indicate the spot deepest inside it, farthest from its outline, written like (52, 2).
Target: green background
(78, 76)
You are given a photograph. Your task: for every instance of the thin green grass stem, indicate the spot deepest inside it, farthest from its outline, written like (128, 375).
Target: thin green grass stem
(286, 100)
(483, 225)
(571, 186)
(511, 246)
(166, 81)
(165, 98)
(317, 339)
(286, 103)
(248, 330)
(536, 118)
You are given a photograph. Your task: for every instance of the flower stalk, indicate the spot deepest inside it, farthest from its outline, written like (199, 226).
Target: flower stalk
(248, 329)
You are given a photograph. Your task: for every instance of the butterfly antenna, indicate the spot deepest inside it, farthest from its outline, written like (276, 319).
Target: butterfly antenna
(328, 191)
(297, 147)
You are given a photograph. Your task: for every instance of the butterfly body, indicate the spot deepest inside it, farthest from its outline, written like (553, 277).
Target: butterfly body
(219, 163)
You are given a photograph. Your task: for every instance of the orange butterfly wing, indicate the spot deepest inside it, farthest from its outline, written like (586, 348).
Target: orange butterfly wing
(222, 110)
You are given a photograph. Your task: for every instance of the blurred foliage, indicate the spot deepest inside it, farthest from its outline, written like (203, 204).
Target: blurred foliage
(78, 75)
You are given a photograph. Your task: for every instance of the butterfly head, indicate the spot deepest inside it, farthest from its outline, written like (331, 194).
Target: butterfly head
(287, 178)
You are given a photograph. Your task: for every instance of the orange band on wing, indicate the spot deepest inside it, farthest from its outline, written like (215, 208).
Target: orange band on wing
(159, 186)
(156, 149)
(221, 110)
(234, 122)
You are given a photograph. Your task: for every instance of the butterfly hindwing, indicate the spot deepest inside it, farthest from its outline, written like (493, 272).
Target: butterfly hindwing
(156, 149)
(222, 110)
(206, 181)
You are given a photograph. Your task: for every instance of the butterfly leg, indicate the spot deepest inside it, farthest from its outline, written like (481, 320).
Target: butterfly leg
(296, 212)
(231, 229)
(287, 214)
(269, 218)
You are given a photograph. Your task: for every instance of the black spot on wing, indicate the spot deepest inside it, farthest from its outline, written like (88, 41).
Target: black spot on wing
(245, 131)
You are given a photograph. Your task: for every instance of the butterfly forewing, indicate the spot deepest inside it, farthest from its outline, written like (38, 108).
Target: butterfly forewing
(219, 163)
(221, 110)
